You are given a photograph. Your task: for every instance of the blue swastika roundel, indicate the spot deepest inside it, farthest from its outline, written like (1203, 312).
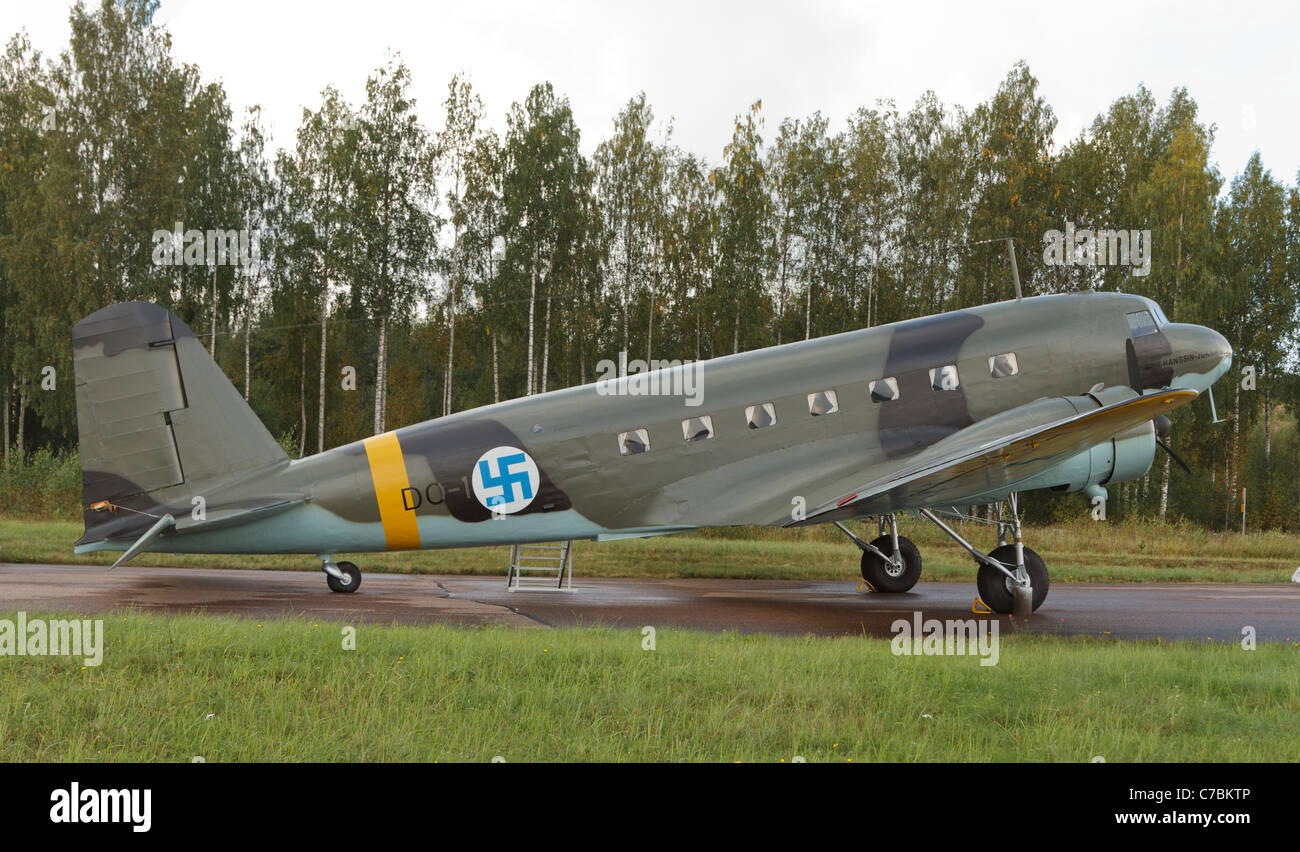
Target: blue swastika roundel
(505, 479)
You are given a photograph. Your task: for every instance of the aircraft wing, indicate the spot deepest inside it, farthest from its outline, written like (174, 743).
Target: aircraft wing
(994, 455)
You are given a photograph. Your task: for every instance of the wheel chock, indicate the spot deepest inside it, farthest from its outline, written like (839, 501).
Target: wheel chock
(979, 607)
(864, 586)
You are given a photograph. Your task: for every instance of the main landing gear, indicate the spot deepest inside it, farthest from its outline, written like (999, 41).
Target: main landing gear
(890, 562)
(340, 576)
(1012, 578)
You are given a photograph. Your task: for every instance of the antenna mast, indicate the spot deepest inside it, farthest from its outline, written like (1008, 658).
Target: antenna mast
(1011, 253)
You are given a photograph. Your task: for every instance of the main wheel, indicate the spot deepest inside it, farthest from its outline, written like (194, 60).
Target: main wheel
(995, 587)
(885, 576)
(354, 578)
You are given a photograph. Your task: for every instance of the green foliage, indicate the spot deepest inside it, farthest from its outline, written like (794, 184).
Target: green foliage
(42, 484)
(526, 262)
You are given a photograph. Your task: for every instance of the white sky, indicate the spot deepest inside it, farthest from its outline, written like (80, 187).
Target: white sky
(701, 63)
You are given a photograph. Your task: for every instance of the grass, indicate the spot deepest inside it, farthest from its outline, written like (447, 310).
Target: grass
(1080, 551)
(225, 689)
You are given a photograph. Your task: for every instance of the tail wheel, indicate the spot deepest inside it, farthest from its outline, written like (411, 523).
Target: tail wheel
(885, 576)
(354, 578)
(995, 587)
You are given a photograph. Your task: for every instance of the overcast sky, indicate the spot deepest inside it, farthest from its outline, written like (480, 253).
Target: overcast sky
(701, 63)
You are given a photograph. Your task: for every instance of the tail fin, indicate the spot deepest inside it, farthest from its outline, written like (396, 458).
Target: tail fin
(157, 419)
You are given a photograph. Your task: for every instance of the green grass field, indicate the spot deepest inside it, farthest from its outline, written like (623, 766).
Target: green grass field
(1083, 551)
(225, 689)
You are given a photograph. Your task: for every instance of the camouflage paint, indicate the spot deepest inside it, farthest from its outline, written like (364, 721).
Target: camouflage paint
(152, 405)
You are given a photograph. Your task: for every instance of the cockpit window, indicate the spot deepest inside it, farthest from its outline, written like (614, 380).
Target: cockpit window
(1161, 319)
(1140, 323)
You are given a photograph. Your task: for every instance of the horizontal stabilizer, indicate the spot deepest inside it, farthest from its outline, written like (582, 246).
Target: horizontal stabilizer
(218, 517)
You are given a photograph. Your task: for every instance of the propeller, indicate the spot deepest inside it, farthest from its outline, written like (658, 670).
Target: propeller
(1163, 426)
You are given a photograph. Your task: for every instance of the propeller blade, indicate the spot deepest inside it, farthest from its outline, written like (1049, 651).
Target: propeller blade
(1173, 455)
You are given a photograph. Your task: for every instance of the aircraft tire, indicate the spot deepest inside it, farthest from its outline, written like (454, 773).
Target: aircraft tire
(354, 578)
(877, 572)
(992, 583)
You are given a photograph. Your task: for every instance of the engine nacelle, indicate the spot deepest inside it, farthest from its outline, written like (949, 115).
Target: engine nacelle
(1125, 457)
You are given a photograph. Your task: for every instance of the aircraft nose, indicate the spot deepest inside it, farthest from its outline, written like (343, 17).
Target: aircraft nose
(1201, 354)
(1221, 350)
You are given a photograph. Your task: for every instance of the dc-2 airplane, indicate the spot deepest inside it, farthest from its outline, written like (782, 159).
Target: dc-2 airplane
(1066, 392)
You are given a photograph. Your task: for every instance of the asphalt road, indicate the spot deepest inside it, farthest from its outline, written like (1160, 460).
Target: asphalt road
(1200, 611)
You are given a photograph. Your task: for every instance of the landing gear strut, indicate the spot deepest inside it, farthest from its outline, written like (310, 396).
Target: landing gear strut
(1012, 578)
(890, 562)
(340, 576)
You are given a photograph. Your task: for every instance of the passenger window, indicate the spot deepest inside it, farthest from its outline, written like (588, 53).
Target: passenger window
(884, 390)
(631, 443)
(1140, 323)
(761, 415)
(944, 378)
(1001, 366)
(697, 428)
(823, 402)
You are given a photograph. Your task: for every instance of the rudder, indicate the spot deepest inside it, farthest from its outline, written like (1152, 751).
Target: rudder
(157, 419)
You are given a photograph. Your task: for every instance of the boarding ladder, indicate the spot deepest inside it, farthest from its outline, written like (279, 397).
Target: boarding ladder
(541, 567)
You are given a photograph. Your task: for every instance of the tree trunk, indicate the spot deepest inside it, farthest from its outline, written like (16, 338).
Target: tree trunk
(451, 320)
(627, 277)
(1227, 478)
(320, 414)
(213, 347)
(1268, 431)
(1236, 444)
(496, 371)
(451, 349)
(22, 416)
(302, 399)
(532, 304)
(650, 323)
(6, 460)
(546, 336)
(807, 311)
(248, 324)
(381, 376)
(1164, 490)
(650, 328)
